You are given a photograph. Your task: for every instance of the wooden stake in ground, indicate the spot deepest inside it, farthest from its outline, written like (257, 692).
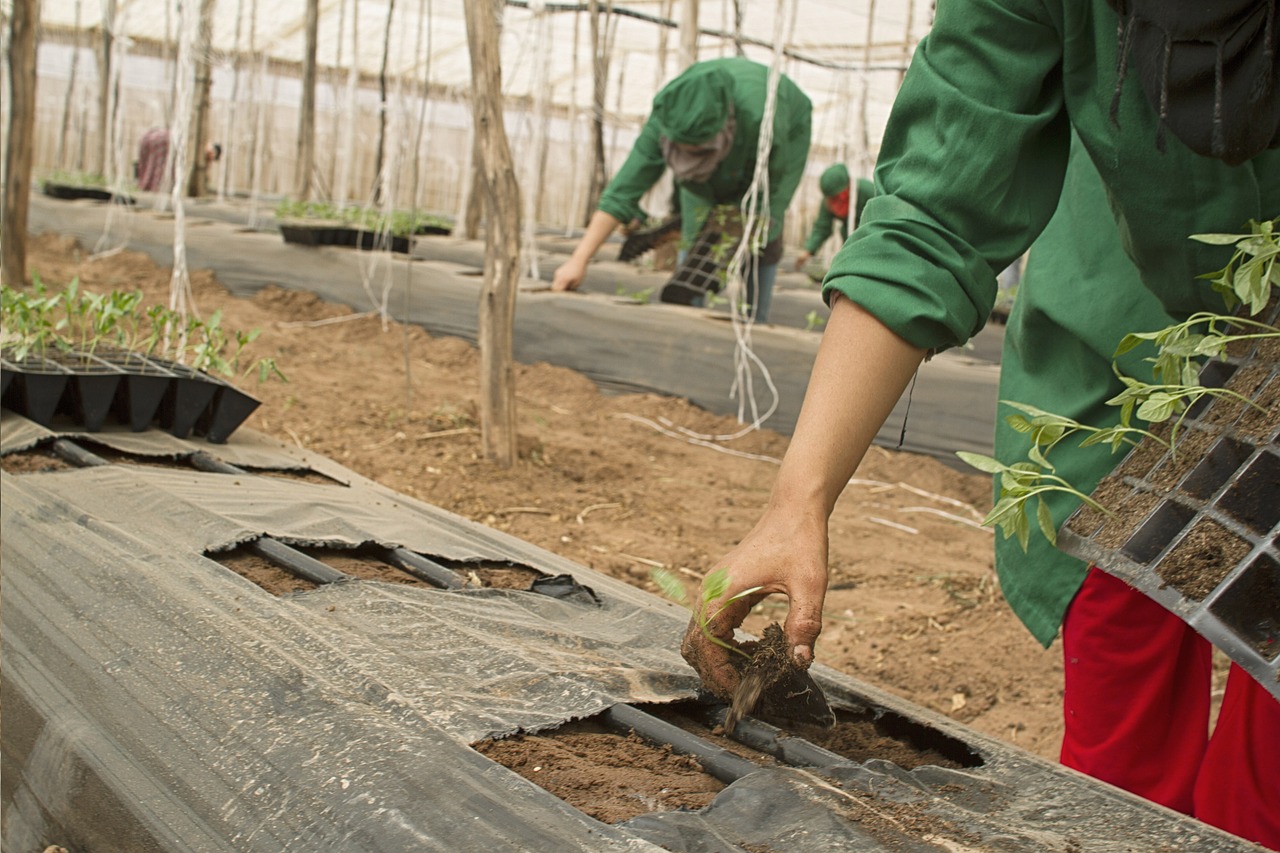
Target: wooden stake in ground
(22, 120)
(502, 237)
(307, 115)
(197, 177)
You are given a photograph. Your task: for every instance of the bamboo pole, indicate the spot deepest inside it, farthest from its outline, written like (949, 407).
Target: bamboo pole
(18, 153)
(600, 79)
(688, 33)
(378, 189)
(106, 33)
(502, 237)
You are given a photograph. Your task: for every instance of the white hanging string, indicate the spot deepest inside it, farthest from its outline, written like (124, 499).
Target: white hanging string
(755, 213)
(258, 116)
(117, 169)
(181, 300)
(536, 139)
(230, 146)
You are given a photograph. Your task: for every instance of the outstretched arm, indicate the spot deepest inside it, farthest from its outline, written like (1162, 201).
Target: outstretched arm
(860, 372)
(570, 274)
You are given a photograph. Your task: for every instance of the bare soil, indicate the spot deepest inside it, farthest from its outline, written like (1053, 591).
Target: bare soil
(913, 608)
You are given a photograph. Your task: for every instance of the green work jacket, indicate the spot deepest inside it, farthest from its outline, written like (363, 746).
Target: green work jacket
(828, 221)
(732, 178)
(970, 172)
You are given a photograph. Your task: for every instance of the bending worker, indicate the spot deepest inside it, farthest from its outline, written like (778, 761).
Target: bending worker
(1176, 107)
(833, 213)
(705, 126)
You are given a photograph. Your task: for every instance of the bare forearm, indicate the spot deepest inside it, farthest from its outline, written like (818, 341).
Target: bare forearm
(860, 372)
(598, 230)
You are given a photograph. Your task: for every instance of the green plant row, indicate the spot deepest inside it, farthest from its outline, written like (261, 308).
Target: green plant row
(1246, 282)
(400, 223)
(72, 320)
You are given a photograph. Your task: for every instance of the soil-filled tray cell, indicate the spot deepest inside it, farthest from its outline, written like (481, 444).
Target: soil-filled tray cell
(1260, 420)
(1217, 467)
(1201, 559)
(1250, 606)
(1189, 446)
(1164, 524)
(1254, 498)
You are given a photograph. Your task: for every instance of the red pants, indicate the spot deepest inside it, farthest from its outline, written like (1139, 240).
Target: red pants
(1137, 714)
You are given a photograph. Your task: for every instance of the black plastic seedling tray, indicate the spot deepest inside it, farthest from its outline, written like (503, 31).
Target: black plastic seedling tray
(1196, 529)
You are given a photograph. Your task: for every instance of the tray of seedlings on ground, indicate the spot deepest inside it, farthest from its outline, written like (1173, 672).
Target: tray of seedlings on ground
(312, 223)
(1191, 515)
(96, 358)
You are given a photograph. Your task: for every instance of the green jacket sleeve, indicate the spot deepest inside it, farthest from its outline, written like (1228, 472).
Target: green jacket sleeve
(641, 170)
(969, 172)
(821, 228)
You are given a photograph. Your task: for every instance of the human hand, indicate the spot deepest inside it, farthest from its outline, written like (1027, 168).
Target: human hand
(802, 259)
(785, 553)
(569, 275)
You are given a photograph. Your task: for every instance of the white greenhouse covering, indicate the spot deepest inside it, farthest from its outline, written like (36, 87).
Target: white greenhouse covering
(847, 55)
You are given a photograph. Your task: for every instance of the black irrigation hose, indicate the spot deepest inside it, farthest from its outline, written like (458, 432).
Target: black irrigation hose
(202, 461)
(423, 569)
(295, 562)
(790, 749)
(718, 761)
(77, 455)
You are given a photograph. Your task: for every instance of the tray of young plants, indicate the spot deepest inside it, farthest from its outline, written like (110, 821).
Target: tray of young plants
(1191, 515)
(90, 359)
(313, 223)
(77, 186)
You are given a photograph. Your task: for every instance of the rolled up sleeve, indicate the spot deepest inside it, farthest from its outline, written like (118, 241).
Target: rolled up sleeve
(968, 174)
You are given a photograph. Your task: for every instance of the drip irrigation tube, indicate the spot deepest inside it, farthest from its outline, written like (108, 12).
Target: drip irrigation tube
(423, 569)
(719, 762)
(295, 562)
(202, 461)
(77, 455)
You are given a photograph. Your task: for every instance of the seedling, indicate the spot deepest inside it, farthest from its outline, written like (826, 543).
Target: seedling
(713, 586)
(1247, 280)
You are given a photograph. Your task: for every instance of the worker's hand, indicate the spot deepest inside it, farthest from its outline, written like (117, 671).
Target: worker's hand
(802, 259)
(569, 275)
(785, 553)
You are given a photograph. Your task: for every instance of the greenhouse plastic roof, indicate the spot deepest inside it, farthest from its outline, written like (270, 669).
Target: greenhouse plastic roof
(835, 57)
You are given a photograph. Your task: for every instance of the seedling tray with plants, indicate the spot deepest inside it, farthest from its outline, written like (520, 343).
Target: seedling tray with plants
(89, 356)
(1197, 523)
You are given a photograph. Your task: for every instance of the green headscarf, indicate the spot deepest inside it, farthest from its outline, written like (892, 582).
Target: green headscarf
(833, 180)
(692, 108)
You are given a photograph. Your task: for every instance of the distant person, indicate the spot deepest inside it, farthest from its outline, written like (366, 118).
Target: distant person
(153, 154)
(833, 213)
(705, 127)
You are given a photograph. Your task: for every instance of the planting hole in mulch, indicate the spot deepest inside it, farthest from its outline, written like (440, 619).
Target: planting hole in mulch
(363, 564)
(37, 460)
(1206, 555)
(857, 735)
(298, 475)
(491, 574)
(262, 572)
(609, 776)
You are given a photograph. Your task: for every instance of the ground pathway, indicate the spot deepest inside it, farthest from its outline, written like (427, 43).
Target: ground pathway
(618, 341)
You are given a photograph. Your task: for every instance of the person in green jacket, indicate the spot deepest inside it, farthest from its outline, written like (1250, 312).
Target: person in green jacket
(833, 213)
(705, 126)
(1174, 109)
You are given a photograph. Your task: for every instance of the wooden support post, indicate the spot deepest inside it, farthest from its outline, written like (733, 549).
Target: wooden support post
(502, 237)
(688, 33)
(307, 115)
(22, 120)
(197, 177)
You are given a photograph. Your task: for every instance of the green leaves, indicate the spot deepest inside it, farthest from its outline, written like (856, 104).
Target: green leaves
(714, 586)
(76, 320)
(1252, 271)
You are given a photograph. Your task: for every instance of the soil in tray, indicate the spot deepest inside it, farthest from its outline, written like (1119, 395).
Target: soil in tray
(261, 571)
(1206, 555)
(610, 776)
(1260, 423)
(1188, 450)
(1111, 495)
(1127, 516)
(38, 460)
